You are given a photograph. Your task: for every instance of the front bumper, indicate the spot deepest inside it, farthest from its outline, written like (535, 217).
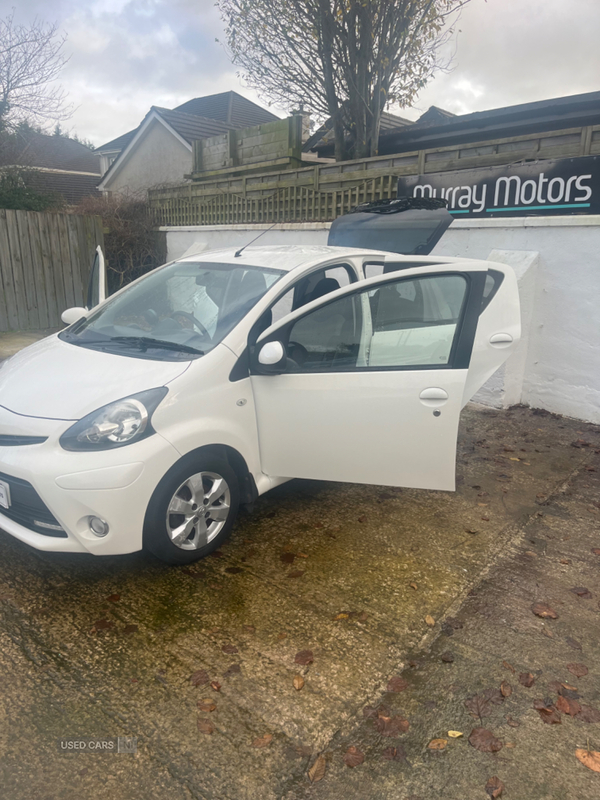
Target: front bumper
(115, 485)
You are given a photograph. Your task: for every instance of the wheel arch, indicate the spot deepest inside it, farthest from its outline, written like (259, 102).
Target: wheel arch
(248, 490)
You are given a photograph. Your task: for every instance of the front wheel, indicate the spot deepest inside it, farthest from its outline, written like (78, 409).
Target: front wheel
(192, 510)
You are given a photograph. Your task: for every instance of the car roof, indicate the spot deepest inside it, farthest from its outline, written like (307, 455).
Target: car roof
(284, 257)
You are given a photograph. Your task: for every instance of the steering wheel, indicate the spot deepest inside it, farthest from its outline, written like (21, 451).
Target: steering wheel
(193, 320)
(297, 353)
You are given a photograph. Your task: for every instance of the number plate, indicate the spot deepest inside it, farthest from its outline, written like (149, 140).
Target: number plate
(4, 495)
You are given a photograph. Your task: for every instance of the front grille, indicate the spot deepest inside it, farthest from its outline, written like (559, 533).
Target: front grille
(28, 509)
(8, 440)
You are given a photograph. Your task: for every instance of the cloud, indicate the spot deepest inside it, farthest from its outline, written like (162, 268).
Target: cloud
(127, 55)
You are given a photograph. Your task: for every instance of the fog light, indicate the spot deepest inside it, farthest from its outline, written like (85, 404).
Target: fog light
(98, 526)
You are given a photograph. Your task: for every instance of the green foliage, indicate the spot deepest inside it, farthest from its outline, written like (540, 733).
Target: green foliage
(20, 189)
(132, 246)
(342, 59)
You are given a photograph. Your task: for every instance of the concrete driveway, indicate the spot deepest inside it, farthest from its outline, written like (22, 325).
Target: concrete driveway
(208, 666)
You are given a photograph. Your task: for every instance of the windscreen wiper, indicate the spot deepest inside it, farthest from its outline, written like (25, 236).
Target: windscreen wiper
(144, 342)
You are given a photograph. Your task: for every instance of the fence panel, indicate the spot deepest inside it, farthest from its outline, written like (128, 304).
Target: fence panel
(45, 261)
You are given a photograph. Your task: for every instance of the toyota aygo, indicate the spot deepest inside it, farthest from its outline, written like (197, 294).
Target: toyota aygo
(160, 410)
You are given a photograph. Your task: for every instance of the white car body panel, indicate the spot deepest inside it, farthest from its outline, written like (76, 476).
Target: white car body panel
(370, 427)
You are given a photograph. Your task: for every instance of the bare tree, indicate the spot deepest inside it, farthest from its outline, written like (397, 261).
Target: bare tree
(341, 59)
(31, 59)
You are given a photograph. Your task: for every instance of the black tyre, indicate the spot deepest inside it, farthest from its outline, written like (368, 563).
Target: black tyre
(192, 510)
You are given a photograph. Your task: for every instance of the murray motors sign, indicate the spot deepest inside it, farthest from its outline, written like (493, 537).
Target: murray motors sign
(565, 186)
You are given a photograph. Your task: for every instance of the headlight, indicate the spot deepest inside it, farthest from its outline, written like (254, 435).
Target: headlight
(115, 425)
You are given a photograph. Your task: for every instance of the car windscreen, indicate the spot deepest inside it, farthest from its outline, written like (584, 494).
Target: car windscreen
(177, 312)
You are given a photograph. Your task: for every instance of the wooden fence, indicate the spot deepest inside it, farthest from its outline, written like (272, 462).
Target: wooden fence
(45, 261)
(323, 191)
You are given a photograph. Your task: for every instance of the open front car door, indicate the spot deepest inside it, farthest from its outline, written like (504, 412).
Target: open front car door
(96, 292)
(366, 384)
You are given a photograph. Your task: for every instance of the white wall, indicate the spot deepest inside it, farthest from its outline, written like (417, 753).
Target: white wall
(200, 238)
(558, 368)
(562, 370)
(157, 158)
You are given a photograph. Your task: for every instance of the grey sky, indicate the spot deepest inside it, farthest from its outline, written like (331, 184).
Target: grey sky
(126, 55)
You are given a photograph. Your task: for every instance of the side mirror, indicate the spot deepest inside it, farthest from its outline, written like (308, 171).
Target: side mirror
(269, 358)
(71, 315)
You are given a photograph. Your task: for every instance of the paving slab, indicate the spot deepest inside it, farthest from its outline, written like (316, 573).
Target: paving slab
(107, 646)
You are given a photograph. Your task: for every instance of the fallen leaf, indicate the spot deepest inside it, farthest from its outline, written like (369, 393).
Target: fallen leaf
(394, 754)
(303, 750)
(447, 657)
(455, 734)
(103, 624)
(317, 771)
(413, 586)
(234, 669)
(544, 611)
(514, 458)
(506, 665)
(596, 551)
(582, 592)
(505, 689)
(579, 670)
(234, 570)
(304, 657)
(206, 705)
(389, 725)
(573, 643)
(128, 629)
(526, 679)
(205, 726)
(282, 635)
(296, 573)
(484, 741)
(548, 712)
(567, 706)
(215, 686)
(248, 628)
(298, 682)
(589, 758)
(437, 744)
(230, 649)
(363, 616)
(480, 705)
(114, 598)
(430, 620)
(287, 558)
(342, 615)
(512, 722)
(588, 714)
(396, 684)
(363, 518)
(565, 561)
(353, 757)
(548, 633)
(494, 787)
(301, 555)
(263, 741)
(199, 678)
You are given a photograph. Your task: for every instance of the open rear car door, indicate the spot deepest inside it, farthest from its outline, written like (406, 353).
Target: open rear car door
(372, 377)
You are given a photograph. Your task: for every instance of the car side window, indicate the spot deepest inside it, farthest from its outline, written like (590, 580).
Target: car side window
(316, 284)
(403, 323)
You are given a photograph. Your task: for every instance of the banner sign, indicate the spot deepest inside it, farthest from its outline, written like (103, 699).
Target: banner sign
(563, 186)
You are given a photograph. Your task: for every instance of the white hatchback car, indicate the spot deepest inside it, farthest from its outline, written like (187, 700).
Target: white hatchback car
(151, 418)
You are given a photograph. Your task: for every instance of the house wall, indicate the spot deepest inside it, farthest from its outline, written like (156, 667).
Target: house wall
(558, 367)
(157, 158)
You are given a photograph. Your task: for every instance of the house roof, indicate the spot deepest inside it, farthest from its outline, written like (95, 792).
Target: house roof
(190, 126)
(73, 186)
(443, 128)
(323, 136)
(56, 152)
(230, 107)
(438, 127)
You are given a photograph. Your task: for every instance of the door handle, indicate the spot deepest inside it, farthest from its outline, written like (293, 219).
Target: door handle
(433, 397)
(500, 340)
